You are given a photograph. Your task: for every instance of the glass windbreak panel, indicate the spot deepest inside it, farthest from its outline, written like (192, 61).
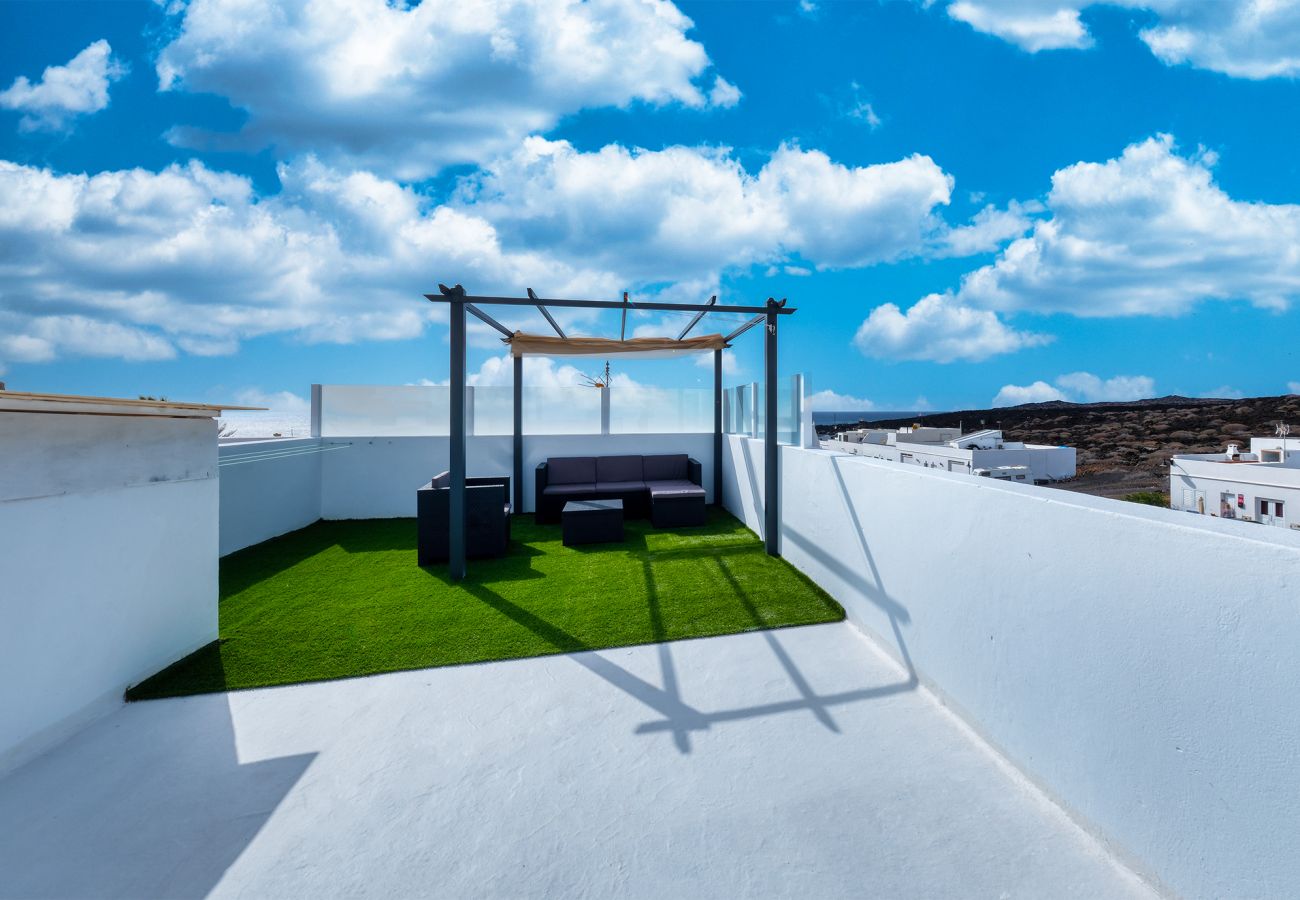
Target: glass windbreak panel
(561, 410)
(737, 406)
(494, 410)
(349, 410)
(787, 411)
(650, 410)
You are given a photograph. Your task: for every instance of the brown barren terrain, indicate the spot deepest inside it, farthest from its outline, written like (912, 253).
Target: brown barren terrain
(1124, 447)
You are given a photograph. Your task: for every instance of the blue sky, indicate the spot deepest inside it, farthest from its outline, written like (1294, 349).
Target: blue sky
(989, 199)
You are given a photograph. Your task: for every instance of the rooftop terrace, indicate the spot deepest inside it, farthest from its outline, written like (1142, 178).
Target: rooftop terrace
(1031, 693)
(796, 763)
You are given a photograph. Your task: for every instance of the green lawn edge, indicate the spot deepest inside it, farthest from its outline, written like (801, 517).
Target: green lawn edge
(345, 599)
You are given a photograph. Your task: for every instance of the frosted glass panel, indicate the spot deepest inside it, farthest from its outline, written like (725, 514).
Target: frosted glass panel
(788, 410)
(787, 425)
(392, 410)
(561, 410)
(738, 410)
(493, 410)
(648, 410)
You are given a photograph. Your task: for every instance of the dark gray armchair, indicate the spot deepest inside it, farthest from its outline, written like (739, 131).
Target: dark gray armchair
(487, 518)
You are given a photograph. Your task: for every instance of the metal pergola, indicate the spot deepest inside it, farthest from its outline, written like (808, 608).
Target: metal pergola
(459, 302)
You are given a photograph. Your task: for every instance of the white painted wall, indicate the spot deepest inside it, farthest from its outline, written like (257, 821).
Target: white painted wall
(377, 477)
(1044, 463)
(1190, 479)
(268, 488)
(1138, 663)
(108, 563)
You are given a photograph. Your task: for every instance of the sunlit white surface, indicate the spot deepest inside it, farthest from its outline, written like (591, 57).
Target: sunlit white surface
(795, 763)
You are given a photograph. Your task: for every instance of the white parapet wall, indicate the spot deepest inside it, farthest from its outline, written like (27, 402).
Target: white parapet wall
(377, 477)
(108, 563)
(270, 487)
(1139, 664)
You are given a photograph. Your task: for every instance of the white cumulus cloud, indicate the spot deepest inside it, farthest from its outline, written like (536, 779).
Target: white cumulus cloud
(405, 89)
(989, 230)
(78, 88)
(1038, 392)
(1089, 387)
(142, 265)
(1032, 25)
(686, 213)
(1224, 392)
(1147, 233)
(830, 401)
(1078, 387)
(938, 329)
(194, 260)
(1253, 39)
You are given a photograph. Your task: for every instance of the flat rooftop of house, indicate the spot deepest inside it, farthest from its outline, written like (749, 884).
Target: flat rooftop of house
(22, 401)
(798, 763)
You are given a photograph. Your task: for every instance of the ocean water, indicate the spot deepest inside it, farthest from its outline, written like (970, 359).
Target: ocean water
(852, 417)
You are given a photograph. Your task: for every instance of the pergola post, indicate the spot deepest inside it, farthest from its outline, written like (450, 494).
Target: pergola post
(518, 480)
(456, 542)
(459, 304)
(717, 427)
(771, 482)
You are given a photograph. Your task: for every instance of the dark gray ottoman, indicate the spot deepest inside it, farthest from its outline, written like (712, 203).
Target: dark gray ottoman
(677, 506)
(592, 522)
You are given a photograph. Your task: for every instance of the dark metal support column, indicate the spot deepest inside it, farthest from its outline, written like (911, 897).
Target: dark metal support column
(717, 427)
(772, 517)
(456, 544)
(519, 436)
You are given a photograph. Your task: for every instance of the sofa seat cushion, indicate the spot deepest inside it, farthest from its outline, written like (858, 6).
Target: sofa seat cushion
(611, 469)
(569, 490)
(619, 487)
(665, 467)
(571, 470)
(674, 488)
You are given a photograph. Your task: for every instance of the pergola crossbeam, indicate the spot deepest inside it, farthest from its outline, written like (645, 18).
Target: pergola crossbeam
(748, 325)
(489, 320)
(545, 302)
(695, 321)
(547, 313)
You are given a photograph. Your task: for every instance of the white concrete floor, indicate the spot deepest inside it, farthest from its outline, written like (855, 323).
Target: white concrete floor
(795, 763)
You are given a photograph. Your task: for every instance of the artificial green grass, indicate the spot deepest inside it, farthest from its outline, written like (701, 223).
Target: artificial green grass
(341, 599)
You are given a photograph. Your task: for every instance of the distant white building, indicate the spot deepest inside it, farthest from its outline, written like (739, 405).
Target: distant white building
(1258, 485)
(986, 453)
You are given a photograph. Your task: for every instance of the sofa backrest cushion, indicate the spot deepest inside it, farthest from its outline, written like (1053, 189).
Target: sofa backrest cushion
(571, 470)
(666, 467)
(618, 468)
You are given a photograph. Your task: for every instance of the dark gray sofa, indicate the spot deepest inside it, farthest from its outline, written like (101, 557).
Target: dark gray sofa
(672, 479)
(487, 518)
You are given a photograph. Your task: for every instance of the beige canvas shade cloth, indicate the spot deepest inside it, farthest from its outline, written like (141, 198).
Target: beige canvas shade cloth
(553, 345)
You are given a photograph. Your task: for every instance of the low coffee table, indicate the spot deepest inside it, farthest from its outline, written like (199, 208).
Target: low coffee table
(592, 522)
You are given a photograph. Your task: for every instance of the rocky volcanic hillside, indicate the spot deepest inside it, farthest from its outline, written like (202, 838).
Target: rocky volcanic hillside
(1125, 447)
